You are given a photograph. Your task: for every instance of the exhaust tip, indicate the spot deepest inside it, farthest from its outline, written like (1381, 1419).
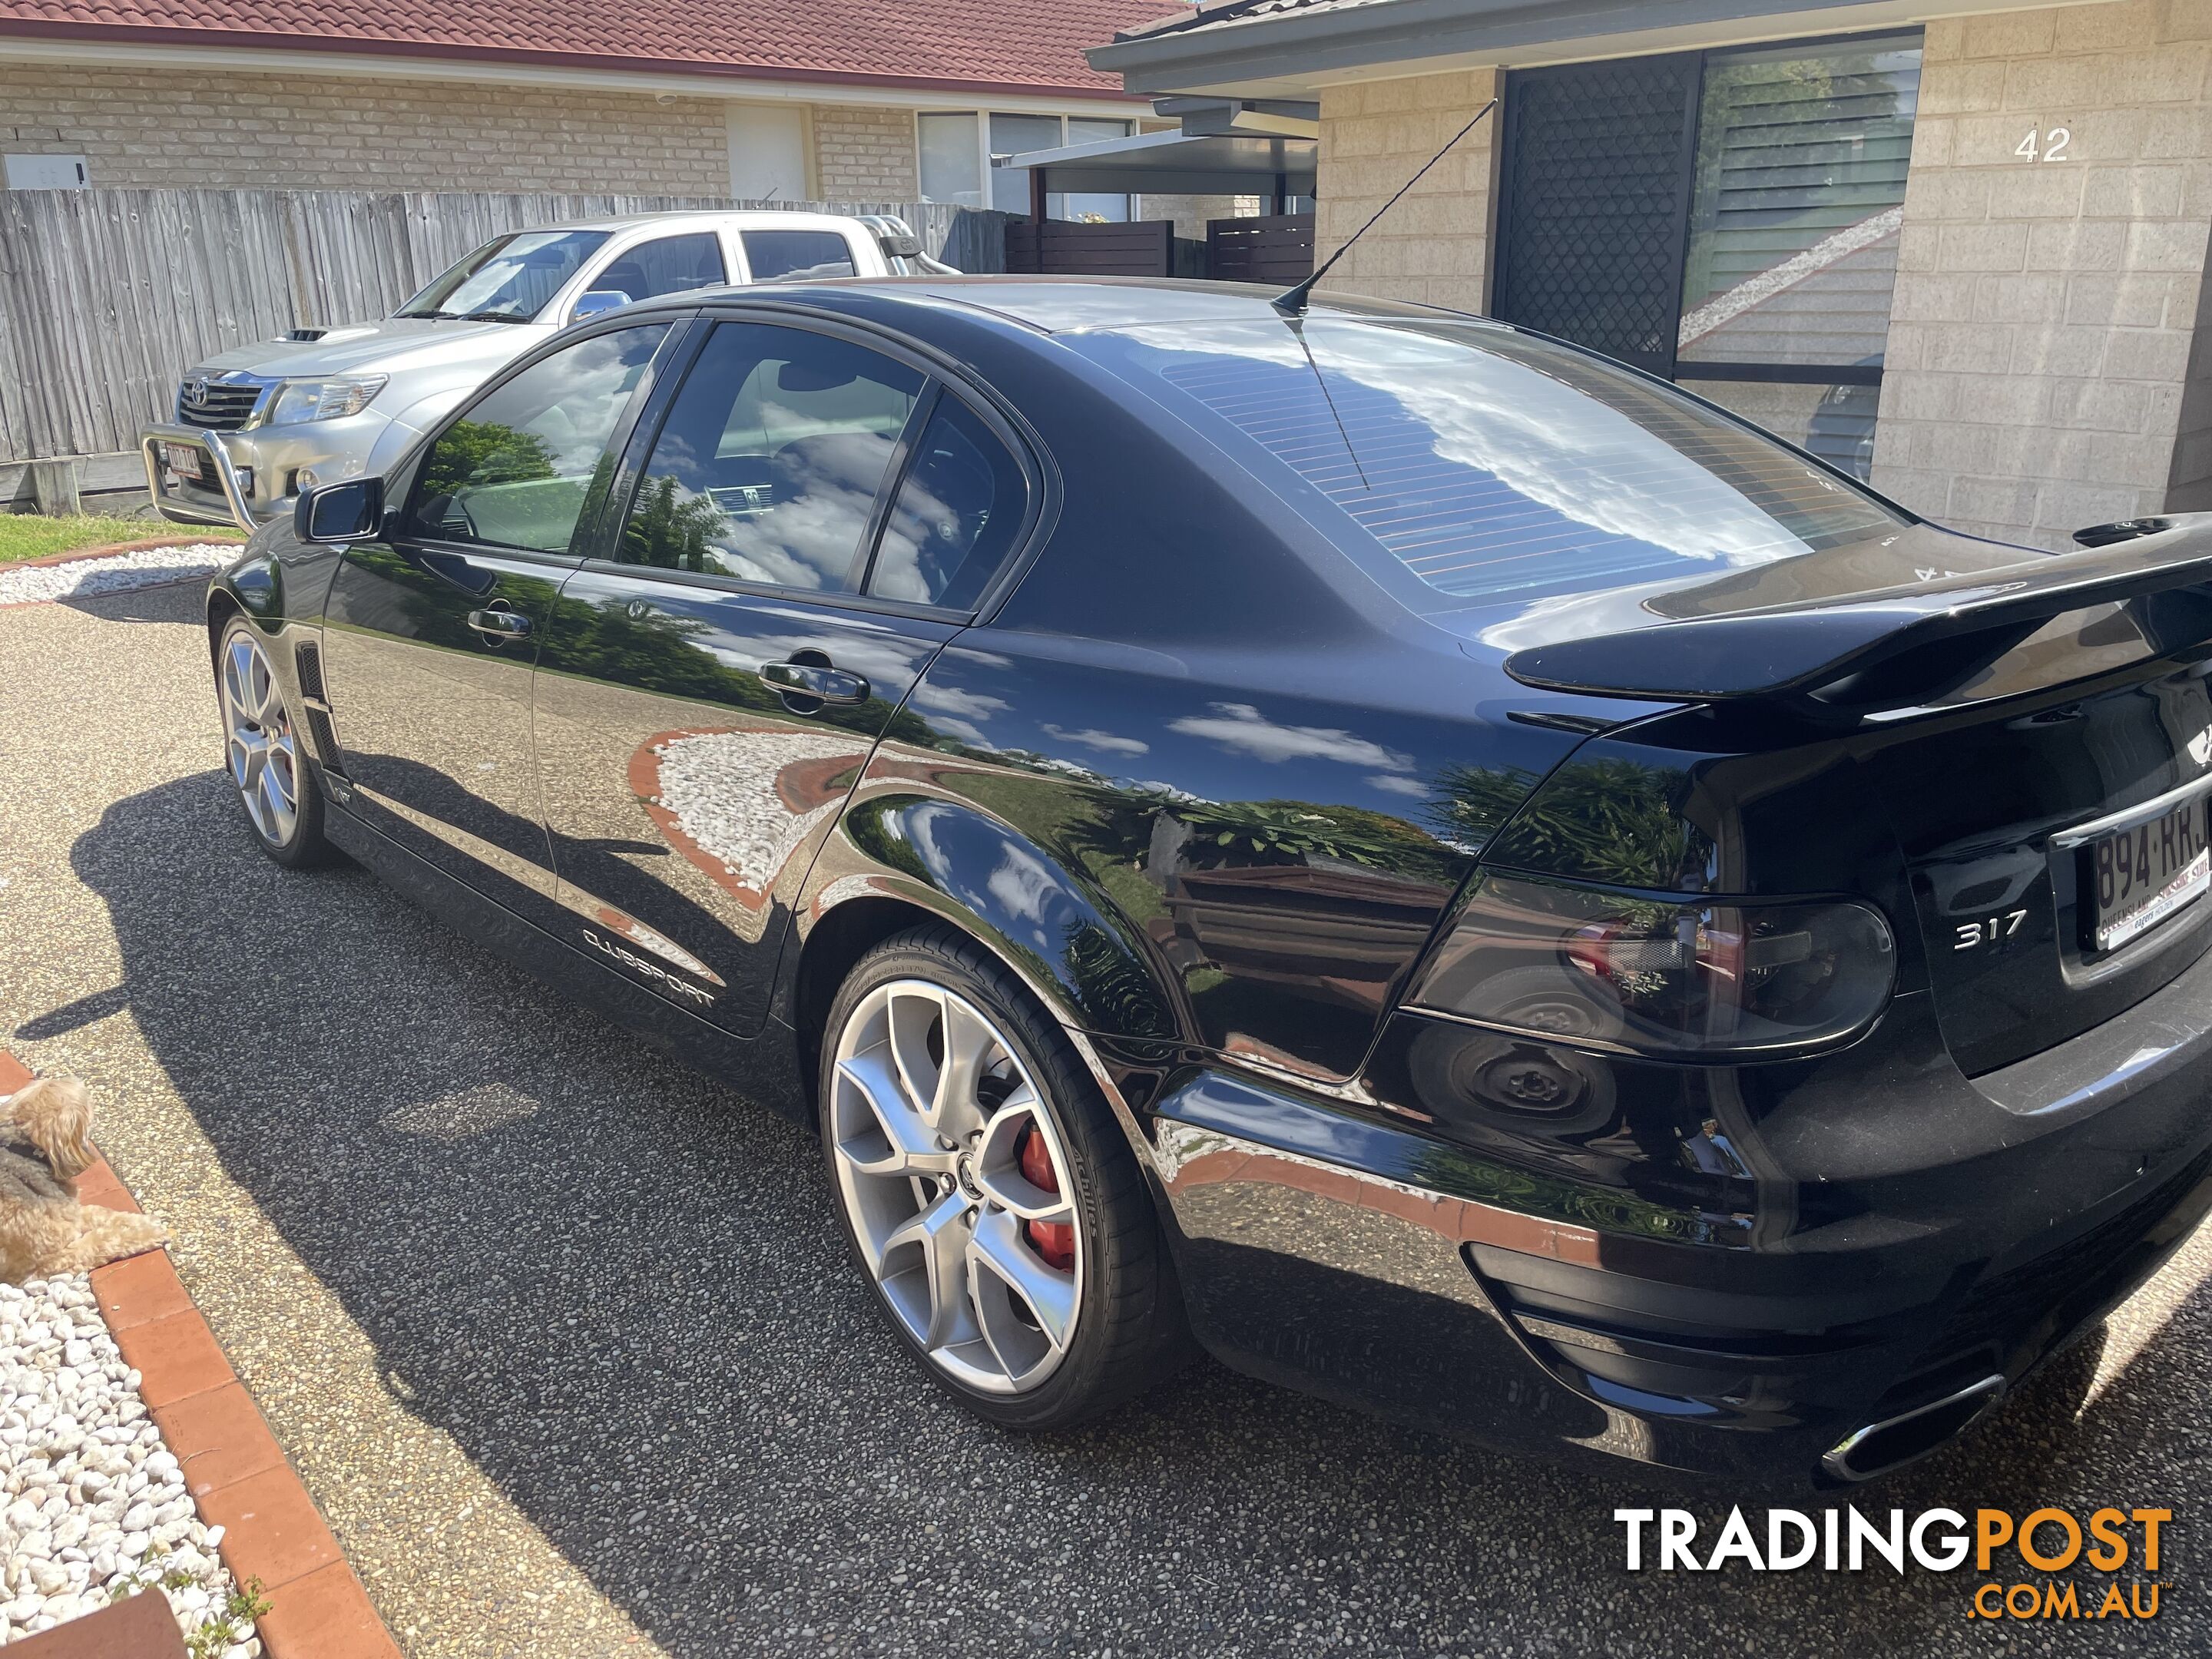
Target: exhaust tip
(1894, 1442)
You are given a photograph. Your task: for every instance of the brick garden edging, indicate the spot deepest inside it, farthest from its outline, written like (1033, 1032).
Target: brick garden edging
(234, 1467)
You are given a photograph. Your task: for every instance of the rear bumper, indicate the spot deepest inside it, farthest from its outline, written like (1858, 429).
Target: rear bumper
(1736, 1273)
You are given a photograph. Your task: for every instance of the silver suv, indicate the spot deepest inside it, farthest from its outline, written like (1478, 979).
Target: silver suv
(258, 424)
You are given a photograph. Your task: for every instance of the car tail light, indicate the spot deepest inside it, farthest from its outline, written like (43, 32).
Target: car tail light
(1671, 976)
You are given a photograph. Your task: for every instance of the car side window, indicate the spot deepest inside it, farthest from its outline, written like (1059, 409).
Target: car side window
(957, 515)
(515, 468)
(770, 464)
(797, 255)
(668, 265)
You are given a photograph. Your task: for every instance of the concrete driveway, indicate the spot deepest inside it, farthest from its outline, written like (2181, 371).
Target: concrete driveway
(565, 1343)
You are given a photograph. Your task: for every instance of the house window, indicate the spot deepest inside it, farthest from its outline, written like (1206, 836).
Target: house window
(1726, 219)
(956, 160)
(952, 159)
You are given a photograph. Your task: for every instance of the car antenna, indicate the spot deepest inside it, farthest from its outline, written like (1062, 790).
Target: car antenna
(1291, 301)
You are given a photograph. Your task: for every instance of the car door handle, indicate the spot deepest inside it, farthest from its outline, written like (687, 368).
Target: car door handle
(500, 625)
(453, 568)
(817, 680)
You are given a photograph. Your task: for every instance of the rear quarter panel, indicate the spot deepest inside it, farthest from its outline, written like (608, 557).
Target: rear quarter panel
(1197, 772)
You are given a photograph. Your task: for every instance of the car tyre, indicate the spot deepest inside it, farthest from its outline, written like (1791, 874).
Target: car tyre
(264, 755)
(962, 1133)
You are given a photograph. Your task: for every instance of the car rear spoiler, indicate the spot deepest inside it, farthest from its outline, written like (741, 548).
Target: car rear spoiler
(1891, 644)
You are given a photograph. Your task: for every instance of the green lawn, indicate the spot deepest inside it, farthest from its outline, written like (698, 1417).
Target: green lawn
(27, 536)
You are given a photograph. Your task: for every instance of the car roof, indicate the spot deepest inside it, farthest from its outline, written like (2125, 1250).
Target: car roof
(1072, 305)
(742, 218)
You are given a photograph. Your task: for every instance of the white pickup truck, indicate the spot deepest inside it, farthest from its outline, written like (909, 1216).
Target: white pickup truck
(257, 424)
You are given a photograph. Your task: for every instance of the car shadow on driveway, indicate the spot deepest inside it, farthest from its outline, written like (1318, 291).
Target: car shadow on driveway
(620, 1288)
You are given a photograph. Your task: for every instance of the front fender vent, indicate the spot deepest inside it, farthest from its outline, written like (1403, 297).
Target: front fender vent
(308, 666)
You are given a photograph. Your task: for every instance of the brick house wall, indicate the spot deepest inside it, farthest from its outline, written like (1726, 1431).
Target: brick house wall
(2043, 370)
(1435, 247)
(866, 155)
(151, 129)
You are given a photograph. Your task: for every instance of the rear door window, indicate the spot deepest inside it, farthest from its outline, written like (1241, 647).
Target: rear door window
(797, 255)
(667, 264)
(772, 459)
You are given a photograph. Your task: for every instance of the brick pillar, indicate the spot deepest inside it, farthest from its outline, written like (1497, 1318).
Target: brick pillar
(866, 155)
(2043, 370)
(1435, 245)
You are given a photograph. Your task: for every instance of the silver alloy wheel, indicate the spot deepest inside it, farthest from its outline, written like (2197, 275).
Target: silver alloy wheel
(264, 758)
(929, 1111)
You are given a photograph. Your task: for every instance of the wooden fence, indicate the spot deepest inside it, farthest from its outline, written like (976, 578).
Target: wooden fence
(107, 295)
(1277, 249)
(1073, 248)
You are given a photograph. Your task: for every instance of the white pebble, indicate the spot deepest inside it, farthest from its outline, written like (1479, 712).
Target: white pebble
(92, 1504)
(114, 574)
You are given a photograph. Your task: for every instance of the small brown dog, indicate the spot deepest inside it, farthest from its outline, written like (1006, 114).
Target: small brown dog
(46, 1131)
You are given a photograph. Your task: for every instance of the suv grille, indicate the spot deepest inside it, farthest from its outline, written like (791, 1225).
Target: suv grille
(218, 407)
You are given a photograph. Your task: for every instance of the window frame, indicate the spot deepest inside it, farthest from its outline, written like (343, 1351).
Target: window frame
(980, 114)
(1677, 370)
(675, 325)
(942, 377)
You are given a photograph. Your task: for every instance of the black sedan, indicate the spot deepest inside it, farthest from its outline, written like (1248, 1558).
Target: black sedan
(1454, 874)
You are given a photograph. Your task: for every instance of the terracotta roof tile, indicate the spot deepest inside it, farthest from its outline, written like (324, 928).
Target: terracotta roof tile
(956, 44)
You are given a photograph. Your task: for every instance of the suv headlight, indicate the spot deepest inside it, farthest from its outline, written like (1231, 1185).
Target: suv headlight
(1675, 977)
(324, 400)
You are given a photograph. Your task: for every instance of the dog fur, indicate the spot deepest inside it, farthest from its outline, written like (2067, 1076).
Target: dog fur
(46, 1143)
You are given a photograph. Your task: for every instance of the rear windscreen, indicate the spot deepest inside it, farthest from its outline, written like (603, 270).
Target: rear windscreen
(1488, 464)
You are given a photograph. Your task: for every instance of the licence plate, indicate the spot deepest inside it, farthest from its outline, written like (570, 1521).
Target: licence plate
(2141, 875)
(184, 459)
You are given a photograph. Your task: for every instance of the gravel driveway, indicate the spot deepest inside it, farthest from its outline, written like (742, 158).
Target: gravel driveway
(566, 1345)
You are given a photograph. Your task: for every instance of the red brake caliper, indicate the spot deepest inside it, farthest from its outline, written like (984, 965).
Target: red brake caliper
(1052, 1240)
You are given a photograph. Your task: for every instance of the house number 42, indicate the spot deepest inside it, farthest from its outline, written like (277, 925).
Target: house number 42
(2045, 146)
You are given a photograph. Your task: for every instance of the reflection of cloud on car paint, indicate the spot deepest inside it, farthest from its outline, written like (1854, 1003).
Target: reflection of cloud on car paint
(1241, 725)
(1397, 786)
(1092, 737)
(955, 712)
(948, 846)
(1022, 882)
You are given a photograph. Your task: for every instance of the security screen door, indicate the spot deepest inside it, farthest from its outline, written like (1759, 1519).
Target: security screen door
(1726, 219)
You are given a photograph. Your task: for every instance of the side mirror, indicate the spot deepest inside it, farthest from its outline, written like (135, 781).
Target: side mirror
(349, 512)
(599, 300)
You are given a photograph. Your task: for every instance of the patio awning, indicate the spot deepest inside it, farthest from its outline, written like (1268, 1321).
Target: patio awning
(1178, 164)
